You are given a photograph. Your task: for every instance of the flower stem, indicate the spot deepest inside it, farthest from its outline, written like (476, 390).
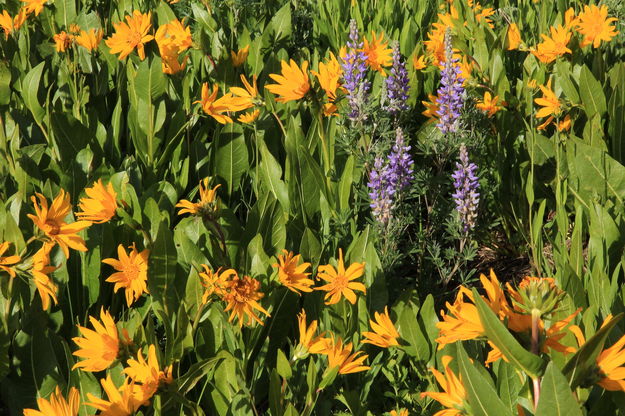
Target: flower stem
(535, 350)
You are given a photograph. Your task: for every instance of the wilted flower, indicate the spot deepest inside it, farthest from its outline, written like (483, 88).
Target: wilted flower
(7, 262)
(130, 35)
(131, 272)
(63, 41)
(397, 84)
(57, 405)
(340, 281)
(292, 84)
(354, 71)
(98, 347)
(100, 204)
(593, 23)
(451, 93)
(466, 185)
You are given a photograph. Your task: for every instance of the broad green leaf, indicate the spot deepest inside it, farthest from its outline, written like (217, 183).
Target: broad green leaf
(162, 269)
(499, 335)
(231, 156)
(275, 393)
(30, 89)
(283, 366)
(591, 93)
(271, 177)
(70, 134)
(509, 383)
(556, 397)
(65, 12)
(5, 84)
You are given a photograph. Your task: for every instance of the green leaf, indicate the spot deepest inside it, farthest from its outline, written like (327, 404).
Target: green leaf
(271, 177)
(71, 136)
(65, 12)
(591, 93)
(283, 366)
(556, 397)
(5, 84)
(499, 335)
(410, 331)
(580, 365)
(162, 269)
(482, 396)
(30, 89)
(231, 157)
(275, 393)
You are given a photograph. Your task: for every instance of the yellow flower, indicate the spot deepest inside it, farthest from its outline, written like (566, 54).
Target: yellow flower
(551, 106)
(57, 405)
(10, 24)
(418, 62)
(384, 332)
(52, 222)
(341, 356)
(214, 282)
(131, 35)
(173, 38)
(132, 272)
(292, 275)
(216, 107)
(242, 297)
(307, 336)
(7, 262)
(340, 281)
(402, 412)
(74, 28)
(34, 6)
(484, 14)
(148, 374)
(238, 58)
(207, 205)
(90, 40)
(431, 107)
(292, 84)
(553, 47)
(514, 37)
(330, 109)
(100, 204)
(453, 395)
(378, 53)
(249, 117)
(595, 25)
(565, 124)
(40, 271)
(329, 74)
(121, 402)
(62, 41)
(489, 104)
(248, 95)
(99, 347)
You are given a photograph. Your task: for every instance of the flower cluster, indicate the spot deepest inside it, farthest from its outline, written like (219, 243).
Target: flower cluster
(354, 72)
(451, 93)
(466, 185)
(397, 84)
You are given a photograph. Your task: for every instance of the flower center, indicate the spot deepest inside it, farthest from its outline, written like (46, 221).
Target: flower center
(341, 282)
(131, 271)
(134, 38)
(53, 227)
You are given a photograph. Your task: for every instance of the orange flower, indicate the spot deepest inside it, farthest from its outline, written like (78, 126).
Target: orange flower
(249, 95)
(99, 347)
(10, 24)
(40, 271)
(340, 281)
(292, 275)
(565, 124)
(378, 53)
(514, 37)
(595, 25)
(242, 297)
(341, 356)
(551, 106)
(7, 262)
(173, 38)
(216, 107)
(418, 62)
(148, 374)
(91, 39)
(329, 74)
(57, 405)
(52, 222)
(402, 412)
(431, 107)
(489, 104)
(239, 58)
(384, 332)
(453, 396)
(121, 401)
(249, 117)
(214, 282)
(34, 6)
(292, 84)
(62, 41)
(552, 47)
(100, 204)
(131, 35)
(132, 272)
(307, 338)
(207, 205)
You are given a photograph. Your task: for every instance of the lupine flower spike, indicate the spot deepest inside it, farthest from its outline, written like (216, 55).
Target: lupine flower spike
(397, 84)
(354, 71)
(466, 184)
(451, 93)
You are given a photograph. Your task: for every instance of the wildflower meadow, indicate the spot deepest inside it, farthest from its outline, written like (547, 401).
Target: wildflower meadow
(312, 207)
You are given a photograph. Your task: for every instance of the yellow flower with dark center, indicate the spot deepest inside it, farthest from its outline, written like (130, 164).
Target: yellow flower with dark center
(292, 84)
(40, 271)
(593, 23)
(453, 396)
(249, 117)
(121, 401)
(215, 283)
(207, 205)
(328, 76)
(384, 332)
(340, 281)
(431, 107)
(100, 204)
(341, 356)
(130, 35)
(292, 274)
(34, 6)
(52, 222)
(489, 104)
(552, 47)
(378, 53)
(57, 405)
(239, 57)
(147, 374)
(132, 272)
(7, 262)
(249, 95)
(216, 107)
(551, 106)
(418, 62)
(99, 346)
(90, 39)
(242, 297)
(63, 41)
(514, 37)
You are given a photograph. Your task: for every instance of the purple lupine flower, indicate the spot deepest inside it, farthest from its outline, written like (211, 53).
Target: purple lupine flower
(451, 93)
(386, 181)
(354, 71)
(466, 184)
(397, 84)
